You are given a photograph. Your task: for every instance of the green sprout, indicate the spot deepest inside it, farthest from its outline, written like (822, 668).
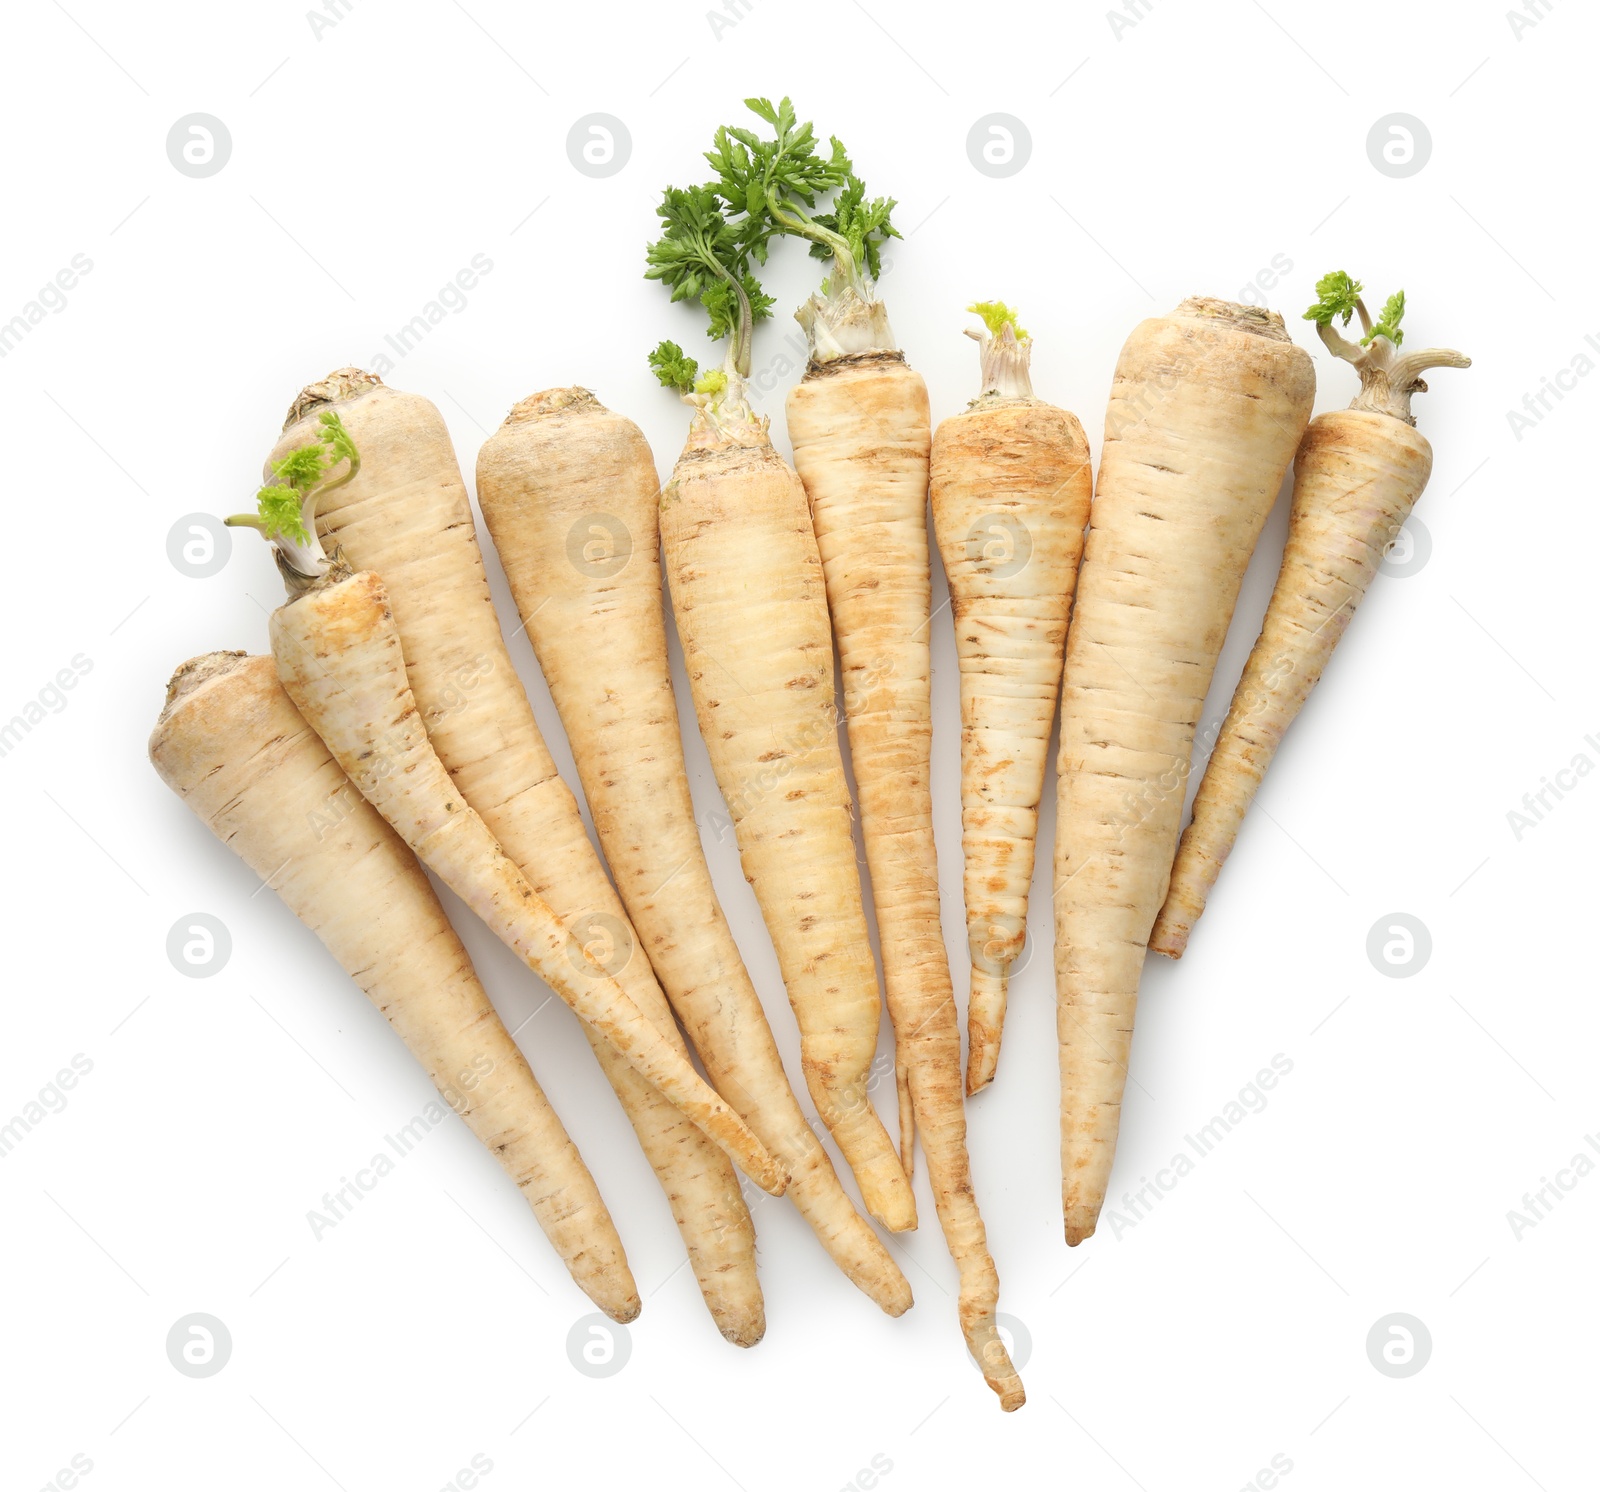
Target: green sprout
(1002, 359)
(286, 508)
(1389, 320)
(997, 315)
(1337, 295)
(1389, 377)
(1340, 296)
(279, 511)
(300, 469)
(673, 368)
(338, 443)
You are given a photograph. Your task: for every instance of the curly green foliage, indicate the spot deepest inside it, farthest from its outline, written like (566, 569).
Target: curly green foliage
(281, 505)
(861, 223)
(336, 439)
(756, 175)
(672, 368)
(777, 183)
(695, 242)
(701, 255)
(1337, 295)
(713, 381)
(300, 468)
(1389, 320)
(997, 315)
(279, 511)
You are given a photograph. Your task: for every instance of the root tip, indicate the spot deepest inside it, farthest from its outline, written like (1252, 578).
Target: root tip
(896, 1212)
(626, 1312)
(898, 1303)
(1168, 940)
(744, 1333)
(898, 1222)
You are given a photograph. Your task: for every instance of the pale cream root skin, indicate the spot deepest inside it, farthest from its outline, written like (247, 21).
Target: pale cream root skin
(1207, 406)
(338, 654)
(1011, 485)
(752, 617)
(861, 439)
(407, 517)
(233, 747)
(859, 427)
(1357, 476)
(570, 495)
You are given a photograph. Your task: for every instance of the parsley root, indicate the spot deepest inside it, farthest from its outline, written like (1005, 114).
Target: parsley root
(1011, 484)
(1207, 406)
(563, 467)
(860, 427)
(339, 655)
(752, 616)
(406, 516)
(1358, 473)
(231, 745)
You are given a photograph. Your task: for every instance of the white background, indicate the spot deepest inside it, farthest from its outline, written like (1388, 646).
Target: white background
(369, 163)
